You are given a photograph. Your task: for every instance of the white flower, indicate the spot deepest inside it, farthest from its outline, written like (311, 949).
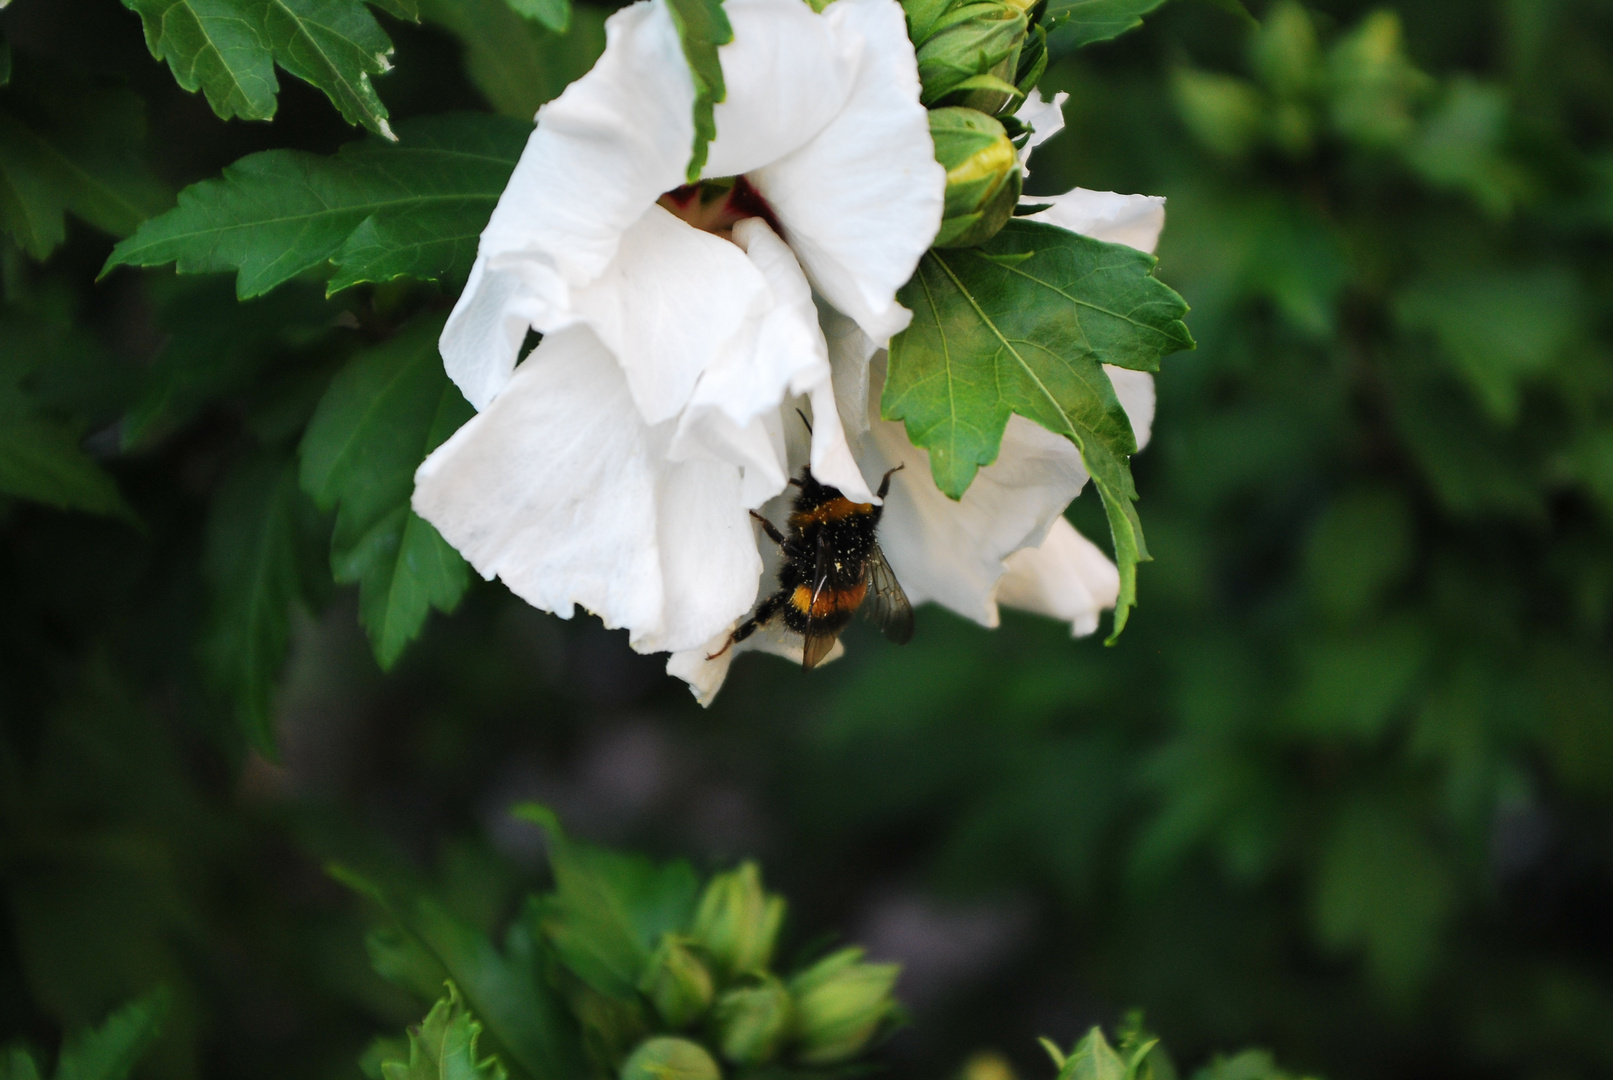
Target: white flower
(616, 466)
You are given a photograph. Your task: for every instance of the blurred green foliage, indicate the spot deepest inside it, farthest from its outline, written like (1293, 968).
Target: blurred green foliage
(1344, 789)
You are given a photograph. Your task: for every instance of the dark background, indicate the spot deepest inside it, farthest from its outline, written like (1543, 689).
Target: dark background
(1343, 789)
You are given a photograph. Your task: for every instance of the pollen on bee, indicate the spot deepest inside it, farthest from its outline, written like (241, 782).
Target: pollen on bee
(837, 509)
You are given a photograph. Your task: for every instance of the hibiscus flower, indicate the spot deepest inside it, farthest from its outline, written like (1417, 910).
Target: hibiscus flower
(682, 325)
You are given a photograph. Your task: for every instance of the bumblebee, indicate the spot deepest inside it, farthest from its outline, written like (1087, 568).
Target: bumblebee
(832, 567)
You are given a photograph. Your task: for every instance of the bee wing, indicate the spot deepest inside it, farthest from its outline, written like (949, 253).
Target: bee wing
(887, 605)
(818, 640)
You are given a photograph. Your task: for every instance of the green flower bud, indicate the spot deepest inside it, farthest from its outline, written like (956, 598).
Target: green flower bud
(752, 1021)
(737, 922)
(840, 1004)
(677, 983)
(983, 175)
(968, 48)
(666, 1058)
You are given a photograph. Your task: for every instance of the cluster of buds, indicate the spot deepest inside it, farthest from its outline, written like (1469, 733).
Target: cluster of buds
(977, 60)
(713, 984)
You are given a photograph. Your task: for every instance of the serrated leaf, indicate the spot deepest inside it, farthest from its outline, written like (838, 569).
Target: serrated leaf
(1077, 23)
(388, 409)
(255, 560)
(555, 15)
(376, 210)
(228, 49)
(1024, 324)
(526, 1023)
(514, 62)
(702, 26)
(443, 1047)
(71, 147)
(609, 910)
(111, 1051)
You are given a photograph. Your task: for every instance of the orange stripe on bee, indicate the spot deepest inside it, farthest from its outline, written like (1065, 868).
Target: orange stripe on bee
(829, 602)
(837, 509)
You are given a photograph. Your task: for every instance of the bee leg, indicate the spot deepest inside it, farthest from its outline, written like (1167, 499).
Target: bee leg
(885, 484)
(764, 612)
(770, 529)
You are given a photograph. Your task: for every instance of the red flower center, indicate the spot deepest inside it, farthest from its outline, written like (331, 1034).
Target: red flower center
(716, 206)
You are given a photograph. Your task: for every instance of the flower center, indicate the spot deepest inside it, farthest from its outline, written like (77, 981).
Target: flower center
(716, 206)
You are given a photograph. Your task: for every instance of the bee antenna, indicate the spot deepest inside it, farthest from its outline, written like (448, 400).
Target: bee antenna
(804, 420)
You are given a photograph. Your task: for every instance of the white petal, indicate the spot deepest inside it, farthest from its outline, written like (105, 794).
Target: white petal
(789, 357)
(601, 152)
(1133, 220)
(953, 552)
(787, 74)
(674, 301)
(562, 491)
(1044, 117)
(862, 200)
(709, 562)
(1135, 389)
(706, 673)
(484, 334)
(1067, 577)
(849, 352)
(606, 148)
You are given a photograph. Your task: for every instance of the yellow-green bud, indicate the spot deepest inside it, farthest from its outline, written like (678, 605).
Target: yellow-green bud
(667, 1058)
(840, 1003)
(753, 1020)
(677, 983)
(968, 47)
(737, 922)
(983, 175)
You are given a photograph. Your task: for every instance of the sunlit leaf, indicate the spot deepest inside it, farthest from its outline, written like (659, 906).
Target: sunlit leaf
(228, 49)
(702, 26)
(1024, 324)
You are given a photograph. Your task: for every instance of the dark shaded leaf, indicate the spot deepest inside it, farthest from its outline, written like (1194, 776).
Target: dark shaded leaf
(388, 409)
(377, 211)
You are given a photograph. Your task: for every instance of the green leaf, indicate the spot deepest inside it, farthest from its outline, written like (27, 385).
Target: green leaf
(377, 211)
(526, 1022)
(516, 63)
(702, 26)
(228, 50)
(111, 1051)
(609, 910)
(71, 147)
(1382, 887)
(388, 409)
(1078, 23)
(256, 563)
(17, 1064)
(553, 14)
(443, 1047)
(215, 348)
(1024, 324)
(41, 460)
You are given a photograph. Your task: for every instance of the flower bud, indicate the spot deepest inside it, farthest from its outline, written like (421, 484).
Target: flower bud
(677, 983)
(839, 1004)
(752, 1021)
(737, 922)
(666, 1058)
(967, 47)
(983, 175)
